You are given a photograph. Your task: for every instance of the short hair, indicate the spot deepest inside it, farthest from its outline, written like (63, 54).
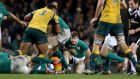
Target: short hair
(51, 5)
(74, 34)
(135, 1)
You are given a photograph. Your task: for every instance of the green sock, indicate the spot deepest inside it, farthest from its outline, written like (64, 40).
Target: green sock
(59, 54)
(131, 57)
(40, 60)
(114, 56)
(107, 64)
(97, 61)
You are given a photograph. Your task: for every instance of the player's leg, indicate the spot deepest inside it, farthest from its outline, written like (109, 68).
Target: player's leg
(78, 64)
(67, 56)
(80, 67)
(118, 31)
(53, 41)
(108, 45)
(26, 42)
(106, 66)
(0, 40)
(24, 47)
(135, 45)
(59, 54)
(101, 31)
(126, 49)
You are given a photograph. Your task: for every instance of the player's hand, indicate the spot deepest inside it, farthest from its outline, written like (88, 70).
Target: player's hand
(131, 32)
(23, 23)
(56, 62)
(92, 22)
(73, 51)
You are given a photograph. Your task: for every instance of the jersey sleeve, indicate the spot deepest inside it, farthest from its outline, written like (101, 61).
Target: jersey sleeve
(84, 46)
(56, 19)
(33, 12)
(6, 12)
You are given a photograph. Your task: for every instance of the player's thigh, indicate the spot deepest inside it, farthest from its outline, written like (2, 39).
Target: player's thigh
(103, 29)
(26, 41)
(52, 40)
(39, 37)
(80, 67)
(43, 48)
(117, 29)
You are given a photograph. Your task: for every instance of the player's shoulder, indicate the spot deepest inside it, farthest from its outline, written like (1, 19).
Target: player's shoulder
(81, 42)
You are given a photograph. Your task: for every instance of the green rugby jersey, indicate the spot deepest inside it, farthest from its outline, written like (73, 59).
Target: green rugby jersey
(3, 12)
(81, 48)
(5, 63)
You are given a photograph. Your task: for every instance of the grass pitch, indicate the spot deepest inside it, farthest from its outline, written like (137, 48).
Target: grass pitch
(67, 76)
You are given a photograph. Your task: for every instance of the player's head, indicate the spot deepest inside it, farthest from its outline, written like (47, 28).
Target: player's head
(133, 4)
(74, 37)
(53, 4)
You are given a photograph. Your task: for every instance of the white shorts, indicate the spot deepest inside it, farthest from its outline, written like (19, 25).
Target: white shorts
(19, 64)
(63, 36)
(110, 40)
(76, 60)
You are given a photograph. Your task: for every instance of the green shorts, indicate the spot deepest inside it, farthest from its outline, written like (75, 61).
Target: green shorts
(105, 28)
(34, 36)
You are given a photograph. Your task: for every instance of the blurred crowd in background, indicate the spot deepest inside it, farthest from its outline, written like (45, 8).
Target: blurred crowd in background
(77, 13)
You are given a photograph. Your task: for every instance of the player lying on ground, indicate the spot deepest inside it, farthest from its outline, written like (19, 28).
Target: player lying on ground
(11, 64)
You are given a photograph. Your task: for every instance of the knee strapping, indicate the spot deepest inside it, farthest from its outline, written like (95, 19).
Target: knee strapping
(98, 41)
(108, 45)
(121, 39)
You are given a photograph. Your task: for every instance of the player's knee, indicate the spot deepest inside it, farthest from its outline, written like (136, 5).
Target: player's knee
(120, 39)
(98, 41)
(80, 68)
(104, 53)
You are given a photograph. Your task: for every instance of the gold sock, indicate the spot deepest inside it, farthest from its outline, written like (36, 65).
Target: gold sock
(96, 52)
(20, 52)
(127, 51)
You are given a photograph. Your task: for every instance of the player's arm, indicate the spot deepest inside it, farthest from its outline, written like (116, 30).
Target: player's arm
(138, 29)
(88, 54)
(5, 18)
(17, 19)
(123, 4)
(98, 10)
(28, 17)
(56, 24)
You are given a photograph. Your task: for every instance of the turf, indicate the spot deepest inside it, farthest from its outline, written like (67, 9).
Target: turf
(67, 76)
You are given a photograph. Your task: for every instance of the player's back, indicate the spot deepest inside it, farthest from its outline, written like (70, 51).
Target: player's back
(41, 19)
(63, 24)
(111, 11)
(4, 62)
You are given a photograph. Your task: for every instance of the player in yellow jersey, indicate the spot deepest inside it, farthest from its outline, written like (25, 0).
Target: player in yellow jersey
(36, 31)
(110, 22)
